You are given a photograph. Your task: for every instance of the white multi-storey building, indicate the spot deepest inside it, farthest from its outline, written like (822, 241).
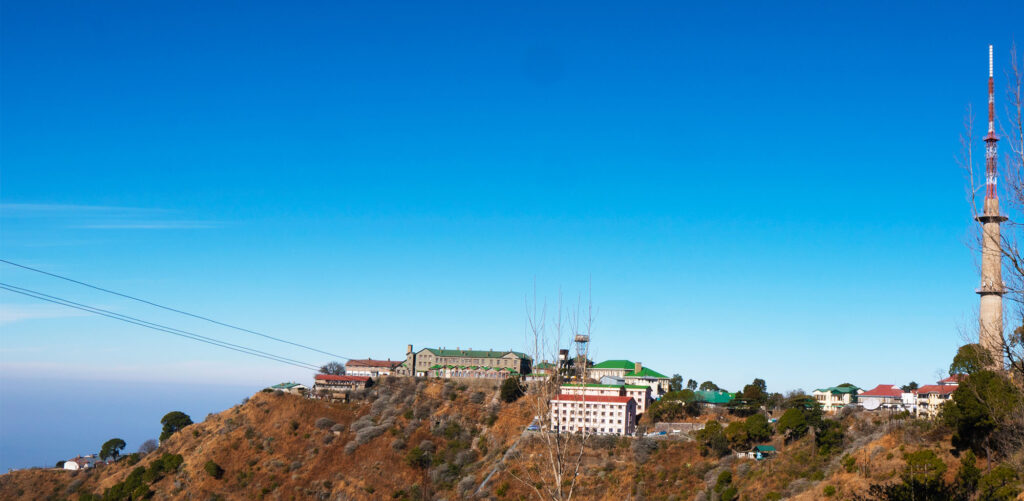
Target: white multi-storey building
(597, 414)
(640, 393)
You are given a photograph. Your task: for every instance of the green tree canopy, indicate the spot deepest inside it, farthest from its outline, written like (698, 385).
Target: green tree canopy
(756, 393)
(111, 449)
(713, 440)
(970, 358)
(981, 411)
(911, 386)
(173, 422)
(511, 389)
(736, 434)
(793, 424)
(1000, 484)
(923, 466)
(709, 386)
(676, 383)
(691, 385)
(757, 428)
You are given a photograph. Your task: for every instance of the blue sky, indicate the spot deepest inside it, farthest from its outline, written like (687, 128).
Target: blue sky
(754, 190)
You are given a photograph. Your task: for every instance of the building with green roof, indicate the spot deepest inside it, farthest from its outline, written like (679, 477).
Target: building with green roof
(470, 363)
(629, 372)
(290, 387)
(714, 397)
(833, 398)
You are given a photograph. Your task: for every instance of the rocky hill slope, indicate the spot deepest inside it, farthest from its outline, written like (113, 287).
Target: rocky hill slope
(415, 439)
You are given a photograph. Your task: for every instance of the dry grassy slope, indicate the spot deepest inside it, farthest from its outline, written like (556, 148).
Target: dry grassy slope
(264, 457)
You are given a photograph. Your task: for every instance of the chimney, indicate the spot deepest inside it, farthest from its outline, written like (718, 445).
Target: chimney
(408, 349)
(637, 367)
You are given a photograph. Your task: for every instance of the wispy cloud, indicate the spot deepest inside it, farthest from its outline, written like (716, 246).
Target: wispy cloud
(30, 210)
(11, 313)
(104, 217)
(152, 225)
(186, 371)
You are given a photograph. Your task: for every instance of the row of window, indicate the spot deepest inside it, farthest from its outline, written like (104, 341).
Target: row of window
(589, 406)
(573, 419)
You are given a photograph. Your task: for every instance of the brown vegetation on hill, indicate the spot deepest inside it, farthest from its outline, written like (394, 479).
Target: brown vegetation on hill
(416, 439)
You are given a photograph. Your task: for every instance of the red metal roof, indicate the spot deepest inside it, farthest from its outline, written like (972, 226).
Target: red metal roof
(954, 379)
(594, 398)
(369, 362)
(332, 377)
(942, 389)
(883, 390)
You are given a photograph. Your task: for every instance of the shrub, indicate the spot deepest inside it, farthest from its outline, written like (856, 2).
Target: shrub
(729, 494)
(849, 463)
(294, 425)
(398, 444)
(465, 457)
(502, 489)
(829, 491)
(643, 448)
(477, 398)
(213, 469)
(323, 423)
(338, 428)
(369, 433)
(511, 389)
(361, 423)
(418, 458)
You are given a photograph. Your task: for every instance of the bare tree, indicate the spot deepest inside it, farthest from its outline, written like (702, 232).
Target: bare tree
(147, 447)
(1008, 437)
(562, 450)
(333, 368)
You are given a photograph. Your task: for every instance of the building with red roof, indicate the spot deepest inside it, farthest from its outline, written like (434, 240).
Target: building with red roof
(371, 367)
(593, 414)
(954, 379)
(930, 398)
(329, 383)
(881, 396)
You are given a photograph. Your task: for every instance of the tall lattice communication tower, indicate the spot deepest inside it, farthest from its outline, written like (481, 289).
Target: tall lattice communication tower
(990, 312)
(582, 342)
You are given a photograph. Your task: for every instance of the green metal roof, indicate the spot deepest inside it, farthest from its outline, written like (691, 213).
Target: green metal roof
(615, 364)
(714, 397)
(839, 389)
(765, 448)
(285, 386)
(646, 372)
(475, 353)
(544, 365)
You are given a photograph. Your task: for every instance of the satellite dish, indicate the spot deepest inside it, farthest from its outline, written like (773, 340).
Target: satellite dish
(872, 404)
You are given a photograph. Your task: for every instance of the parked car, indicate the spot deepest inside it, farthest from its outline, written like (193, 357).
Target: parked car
(533, 427)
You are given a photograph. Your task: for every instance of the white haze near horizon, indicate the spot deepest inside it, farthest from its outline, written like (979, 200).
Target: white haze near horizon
(43, 421)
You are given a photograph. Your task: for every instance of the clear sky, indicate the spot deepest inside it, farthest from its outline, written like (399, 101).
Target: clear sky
(754, 190)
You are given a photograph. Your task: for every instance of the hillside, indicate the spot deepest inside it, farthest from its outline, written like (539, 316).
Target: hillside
(415, 439)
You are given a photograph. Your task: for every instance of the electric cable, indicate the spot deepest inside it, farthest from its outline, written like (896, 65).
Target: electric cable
(168, 308)
(163, 328)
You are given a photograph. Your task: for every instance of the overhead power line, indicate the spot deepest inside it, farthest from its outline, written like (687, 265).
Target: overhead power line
(150, 325)
(168, 308)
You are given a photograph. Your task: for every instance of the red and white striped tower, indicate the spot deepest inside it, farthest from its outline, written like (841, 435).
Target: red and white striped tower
(990, 314)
